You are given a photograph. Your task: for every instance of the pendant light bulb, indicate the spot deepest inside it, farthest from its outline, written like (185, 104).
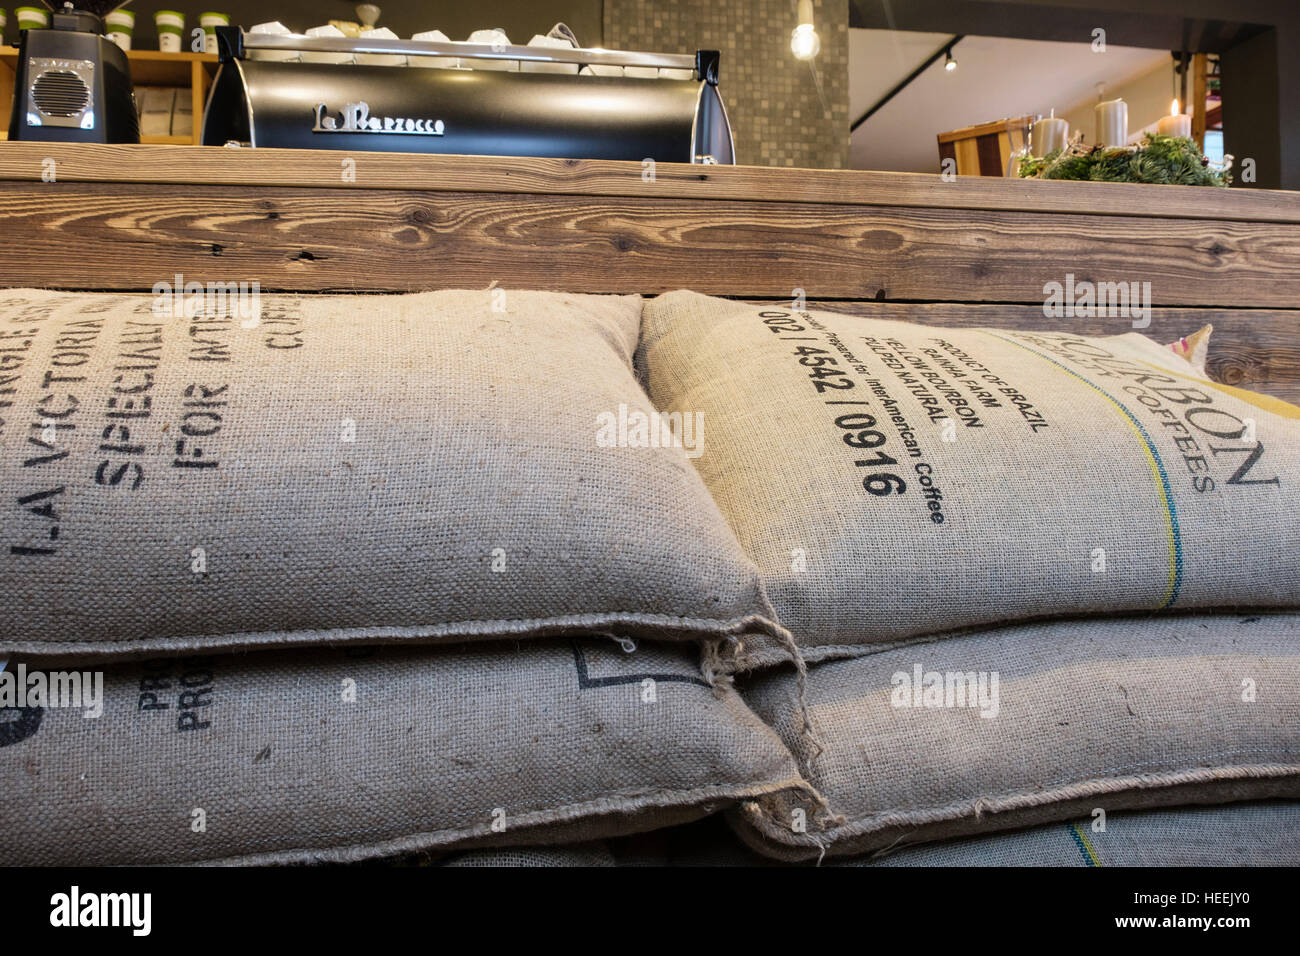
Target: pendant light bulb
(804, 42)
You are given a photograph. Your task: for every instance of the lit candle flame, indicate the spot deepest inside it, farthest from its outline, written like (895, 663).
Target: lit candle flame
(1173, 109)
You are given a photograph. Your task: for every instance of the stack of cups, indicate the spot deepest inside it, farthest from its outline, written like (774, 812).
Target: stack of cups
(32, 18)
(119, 25)
(210, 21)
(171, 27)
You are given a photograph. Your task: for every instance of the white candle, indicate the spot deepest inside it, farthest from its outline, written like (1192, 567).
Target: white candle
(1112, 123)
(1175, 124)
(1049, 133)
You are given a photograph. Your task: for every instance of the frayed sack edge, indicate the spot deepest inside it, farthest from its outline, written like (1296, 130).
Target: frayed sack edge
(718, 666)
(764, 824)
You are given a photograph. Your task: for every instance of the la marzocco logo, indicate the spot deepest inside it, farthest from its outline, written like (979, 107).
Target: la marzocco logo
(356, 118)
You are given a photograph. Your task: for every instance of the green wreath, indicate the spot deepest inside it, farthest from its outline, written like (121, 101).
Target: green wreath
(1164, 160)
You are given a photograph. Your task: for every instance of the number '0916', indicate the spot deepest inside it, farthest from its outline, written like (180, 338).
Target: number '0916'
(860, 432)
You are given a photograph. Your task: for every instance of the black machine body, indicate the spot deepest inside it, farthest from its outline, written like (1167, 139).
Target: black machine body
(73, 84)
(352, 107)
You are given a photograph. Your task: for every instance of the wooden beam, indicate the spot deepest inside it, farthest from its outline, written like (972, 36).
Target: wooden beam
(405, 172)
(131, 235)
(1200, 69)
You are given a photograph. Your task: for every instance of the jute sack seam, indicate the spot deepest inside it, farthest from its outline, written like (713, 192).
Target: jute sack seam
(750, 661)
(764, 819)
(688, 626)
(483, 836)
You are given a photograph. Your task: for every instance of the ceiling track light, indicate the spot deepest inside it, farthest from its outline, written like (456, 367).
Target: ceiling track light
(949, 63)
(903, 84)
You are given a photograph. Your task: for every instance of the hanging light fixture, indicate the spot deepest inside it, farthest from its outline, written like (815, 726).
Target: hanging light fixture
(804, 42)
(949, 63)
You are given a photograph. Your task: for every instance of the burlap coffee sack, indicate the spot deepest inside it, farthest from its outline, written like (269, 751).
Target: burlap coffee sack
(595, 853)
(1239, 834)
(347, 753)
(893, 480)
(1265, 833)
(1034, 723)
(425, 466)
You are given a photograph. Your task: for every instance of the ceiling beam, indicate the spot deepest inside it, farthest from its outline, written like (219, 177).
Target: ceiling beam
(903, 83)
(1160, 27)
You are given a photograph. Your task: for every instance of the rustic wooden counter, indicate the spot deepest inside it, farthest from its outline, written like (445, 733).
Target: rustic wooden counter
(971, 251)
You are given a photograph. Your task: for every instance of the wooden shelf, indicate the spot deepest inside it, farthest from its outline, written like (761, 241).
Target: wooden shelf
(194, 71)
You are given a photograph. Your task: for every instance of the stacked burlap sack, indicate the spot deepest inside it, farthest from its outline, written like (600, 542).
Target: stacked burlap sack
(1259, 833)
(373, 574)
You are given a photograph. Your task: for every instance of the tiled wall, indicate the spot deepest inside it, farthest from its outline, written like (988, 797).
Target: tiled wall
(776, 115)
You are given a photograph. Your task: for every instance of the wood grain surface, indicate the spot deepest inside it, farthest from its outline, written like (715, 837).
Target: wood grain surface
(129, 236)
(972, 252)
(401, 172)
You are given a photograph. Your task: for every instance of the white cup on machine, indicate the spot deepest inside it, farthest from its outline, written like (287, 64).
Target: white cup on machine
(526, 66)
(380, 59)
(328, 30)
(443, 62)
(274, 28)
(495, 38)
(601, 69)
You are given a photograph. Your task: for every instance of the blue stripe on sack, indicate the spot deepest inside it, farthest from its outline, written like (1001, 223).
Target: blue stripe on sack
(1084, 849)
(1167, 490)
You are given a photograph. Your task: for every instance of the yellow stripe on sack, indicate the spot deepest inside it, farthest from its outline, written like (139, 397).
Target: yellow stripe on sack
(1153, 460)
(1085, 845)
(1162, 483)
(1265, 402)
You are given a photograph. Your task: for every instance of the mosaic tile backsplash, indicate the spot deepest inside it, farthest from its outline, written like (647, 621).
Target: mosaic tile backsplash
(777, 116)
